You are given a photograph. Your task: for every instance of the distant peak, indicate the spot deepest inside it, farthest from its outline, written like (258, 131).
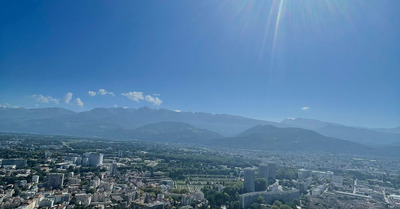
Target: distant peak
(145, 108)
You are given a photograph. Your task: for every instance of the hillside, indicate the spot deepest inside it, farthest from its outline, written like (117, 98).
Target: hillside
(290, 139)
(171, 132)
(354, 134)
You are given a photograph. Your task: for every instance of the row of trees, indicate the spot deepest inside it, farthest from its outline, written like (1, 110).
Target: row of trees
(260, 204)
(229, 196)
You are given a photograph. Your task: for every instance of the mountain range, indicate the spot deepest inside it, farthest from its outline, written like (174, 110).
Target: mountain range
(99, 120)
(267, 137)
(171, 126)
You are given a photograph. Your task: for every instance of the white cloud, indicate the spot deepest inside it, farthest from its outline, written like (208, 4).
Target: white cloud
(115, 105)
(101, 92)
(177, 110)
(9, 106)
(291, 118)
(92, 93)
(125, 107)
(68, 97)
(154, 100)
(305, 108)
(5, 105)
(104, 92)
(79, 102)
(134, 95)
(45, 99)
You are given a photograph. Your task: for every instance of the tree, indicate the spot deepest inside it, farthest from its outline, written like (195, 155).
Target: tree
(271, 181)
(234, 205)
(260, 200)
(278, 203)
(260, 185)
(91, 191)
(255, 206)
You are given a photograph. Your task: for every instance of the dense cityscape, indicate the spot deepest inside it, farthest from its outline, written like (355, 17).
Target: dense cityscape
(210, 104)
(39, 171)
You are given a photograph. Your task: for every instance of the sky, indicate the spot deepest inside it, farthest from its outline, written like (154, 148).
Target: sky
(335, 61)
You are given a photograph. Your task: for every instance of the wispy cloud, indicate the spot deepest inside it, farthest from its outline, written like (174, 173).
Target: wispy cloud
(134, 95)
(68, 97)
(104, 92)
(6, 105)
(177, 110)
(45, 99)
(155, 100)
(9, 106)
(305, 108)
(79, 102)
(92, 93)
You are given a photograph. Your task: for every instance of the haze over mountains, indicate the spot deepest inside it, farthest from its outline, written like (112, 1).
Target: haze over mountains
(170, 126)
(395, 130)
(268, 137)
(58, 120)
(355, 134)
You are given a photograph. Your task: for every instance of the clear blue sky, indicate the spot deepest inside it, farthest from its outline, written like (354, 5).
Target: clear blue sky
(336, 60)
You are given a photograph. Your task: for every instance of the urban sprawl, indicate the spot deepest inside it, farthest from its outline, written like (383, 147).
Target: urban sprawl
(66, 172)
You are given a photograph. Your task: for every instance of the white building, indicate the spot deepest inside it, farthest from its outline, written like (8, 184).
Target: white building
(35, 179)
(96, 159)
(84, 199)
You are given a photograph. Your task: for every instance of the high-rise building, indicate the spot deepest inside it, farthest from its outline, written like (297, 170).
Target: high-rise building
(271, 170)
(78, 161)
(55, 180)
(249, 180)
(95, 159)
(120, 153)
(263, 171)
(85, 161)
(113, 169)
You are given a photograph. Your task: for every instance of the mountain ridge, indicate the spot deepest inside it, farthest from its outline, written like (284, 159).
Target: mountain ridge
(267, 137)
(355, 134)
(100, 120)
